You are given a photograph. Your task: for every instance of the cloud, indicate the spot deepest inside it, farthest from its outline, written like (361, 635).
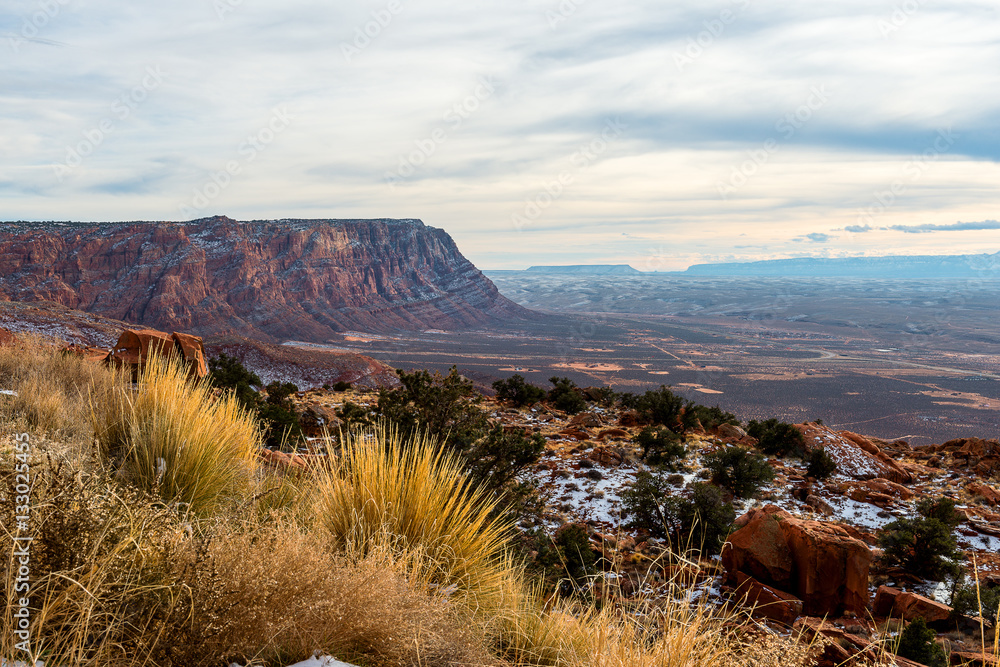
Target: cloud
(815, 237)
(956, 227)
(859, 229)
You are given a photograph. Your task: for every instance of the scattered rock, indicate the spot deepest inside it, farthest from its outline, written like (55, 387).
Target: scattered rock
(585, 419)
(767, 601)
(856, 456)
(820, 563)
(731, 432)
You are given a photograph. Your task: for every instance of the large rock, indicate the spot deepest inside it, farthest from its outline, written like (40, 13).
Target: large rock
(767, 601)
(910, 606)
(822, 564)
(270, 280)
(856, 456)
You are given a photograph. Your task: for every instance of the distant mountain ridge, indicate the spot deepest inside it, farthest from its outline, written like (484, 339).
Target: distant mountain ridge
(272, 280)
(589, 269)
(985, 266)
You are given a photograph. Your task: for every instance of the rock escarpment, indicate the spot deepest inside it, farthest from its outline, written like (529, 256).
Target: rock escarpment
(272, 280)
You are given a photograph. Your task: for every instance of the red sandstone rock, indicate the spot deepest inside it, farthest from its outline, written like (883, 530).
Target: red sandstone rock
(7, 337)
(820, 563)
(984, 491)
(271, 280)
(856, 456)
(885, 601)
(767, 601)
(909, 606)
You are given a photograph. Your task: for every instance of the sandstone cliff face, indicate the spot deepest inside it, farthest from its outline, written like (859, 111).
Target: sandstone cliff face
(272, 280)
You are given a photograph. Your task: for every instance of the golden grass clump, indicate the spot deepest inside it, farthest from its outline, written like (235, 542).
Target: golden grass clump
(410, 496)
(273, 593)
(53, 389)
(171, 436)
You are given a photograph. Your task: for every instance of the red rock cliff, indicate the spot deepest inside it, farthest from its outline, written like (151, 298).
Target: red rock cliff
(273, 280)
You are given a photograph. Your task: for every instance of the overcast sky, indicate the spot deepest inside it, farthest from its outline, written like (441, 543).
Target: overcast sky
(658, 134)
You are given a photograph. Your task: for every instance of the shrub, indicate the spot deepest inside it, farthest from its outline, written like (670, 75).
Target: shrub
(975, 600)
(565, 396)
(819, 464)
(566, 559)
(278, 414)
(661, 446)
(342, 386)
(777, 438)
(700, 522)
(447, 408)
(353, 416)
(714, 417)
(172, 438)
(738, 469)
(516, 391)
(648, 504)
(916, 643)
(666, 408)
(281, 420)
(705, 519)
(924, 545)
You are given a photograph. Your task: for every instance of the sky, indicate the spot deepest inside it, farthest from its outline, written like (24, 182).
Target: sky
(656, 134)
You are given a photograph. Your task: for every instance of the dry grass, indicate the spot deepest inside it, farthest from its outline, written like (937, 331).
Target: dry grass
(53, 389)
(384, 493)
(170, 436)
(387, 558)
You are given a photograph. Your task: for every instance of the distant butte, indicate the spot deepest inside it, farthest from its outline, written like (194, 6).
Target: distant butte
(271, 280)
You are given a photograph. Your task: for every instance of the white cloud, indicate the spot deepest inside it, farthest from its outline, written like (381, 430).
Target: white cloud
(555, 88)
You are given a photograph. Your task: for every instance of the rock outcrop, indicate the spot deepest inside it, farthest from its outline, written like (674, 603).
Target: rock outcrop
(820, 563)
(270, 280)
(856, 455)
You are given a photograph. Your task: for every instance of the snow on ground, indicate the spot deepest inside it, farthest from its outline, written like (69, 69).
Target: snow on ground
(860, 515)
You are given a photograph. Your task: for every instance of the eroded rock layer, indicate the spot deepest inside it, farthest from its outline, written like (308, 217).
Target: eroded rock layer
(272, 280)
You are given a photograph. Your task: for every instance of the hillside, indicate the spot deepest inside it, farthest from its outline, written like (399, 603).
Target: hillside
(270, 280)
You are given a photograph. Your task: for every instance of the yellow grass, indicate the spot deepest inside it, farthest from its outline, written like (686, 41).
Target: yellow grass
(386, 558)
(172, 437)
(383, 492)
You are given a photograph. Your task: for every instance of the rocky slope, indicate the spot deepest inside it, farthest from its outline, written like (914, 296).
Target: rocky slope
(804, 552)
(271, 280)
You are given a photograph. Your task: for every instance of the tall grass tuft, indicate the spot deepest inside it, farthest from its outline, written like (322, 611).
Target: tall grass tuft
(172, 437)
(53, 390)
(384, 492)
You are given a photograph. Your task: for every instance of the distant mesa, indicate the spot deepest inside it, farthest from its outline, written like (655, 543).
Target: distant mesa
(272, 280)
(984, 266)
(588, 269)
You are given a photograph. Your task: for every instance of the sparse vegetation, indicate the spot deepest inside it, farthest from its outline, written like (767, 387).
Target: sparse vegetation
(925, 545)
(777, 438)
(739, 470)
(565, 396)
(978, 600)
(916, 643)
(390, 556)
(819, 464)
(517, 392)
(661, 446)
(281, 421)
